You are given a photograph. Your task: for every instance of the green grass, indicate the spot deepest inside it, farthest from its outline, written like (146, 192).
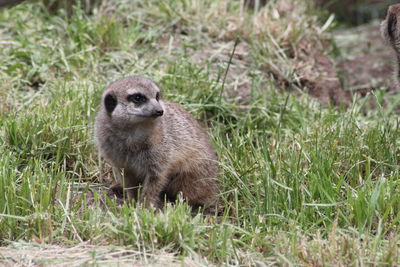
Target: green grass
(301, 183)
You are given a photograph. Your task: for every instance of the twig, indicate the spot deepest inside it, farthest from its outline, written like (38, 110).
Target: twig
(227, 68)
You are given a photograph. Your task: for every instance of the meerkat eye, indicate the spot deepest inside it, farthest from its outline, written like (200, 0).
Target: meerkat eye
(158, 96)
(137, 98)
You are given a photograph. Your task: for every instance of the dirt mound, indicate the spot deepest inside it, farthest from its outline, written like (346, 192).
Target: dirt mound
(319, 75)
(365, 62)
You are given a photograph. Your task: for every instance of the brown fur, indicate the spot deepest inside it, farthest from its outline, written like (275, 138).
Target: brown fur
(390, 30)
(164, 155)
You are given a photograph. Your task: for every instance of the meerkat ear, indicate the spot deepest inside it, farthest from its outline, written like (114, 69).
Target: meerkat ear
(110, 102)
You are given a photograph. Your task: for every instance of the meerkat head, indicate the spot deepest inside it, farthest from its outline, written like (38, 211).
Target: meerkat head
(132, 100)
(390, 27)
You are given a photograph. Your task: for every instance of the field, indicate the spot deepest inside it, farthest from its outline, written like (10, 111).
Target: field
(309, 171)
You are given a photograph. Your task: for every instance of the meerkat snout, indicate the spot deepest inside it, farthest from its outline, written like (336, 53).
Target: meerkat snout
(159, 112)
(156, 109)
(160, 146)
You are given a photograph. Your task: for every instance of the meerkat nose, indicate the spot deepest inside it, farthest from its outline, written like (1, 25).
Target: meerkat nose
(159, 112)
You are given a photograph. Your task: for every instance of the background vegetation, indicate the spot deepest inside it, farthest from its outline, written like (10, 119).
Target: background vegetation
(302, 183)
(355, 12)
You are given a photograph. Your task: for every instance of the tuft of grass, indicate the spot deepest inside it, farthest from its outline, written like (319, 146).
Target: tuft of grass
(108, 31)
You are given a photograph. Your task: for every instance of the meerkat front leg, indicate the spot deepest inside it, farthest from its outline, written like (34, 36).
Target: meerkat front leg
(151, 189)
(131, 183)
(127, 183)
(117, 175)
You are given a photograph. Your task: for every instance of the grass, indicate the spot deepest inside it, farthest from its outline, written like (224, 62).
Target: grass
(302, 184)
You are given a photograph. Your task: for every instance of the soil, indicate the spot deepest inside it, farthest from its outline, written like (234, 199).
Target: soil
(319, 75)
(364, 63)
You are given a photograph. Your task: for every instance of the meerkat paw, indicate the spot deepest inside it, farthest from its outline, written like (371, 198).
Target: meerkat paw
(117, 190)
(150, 202)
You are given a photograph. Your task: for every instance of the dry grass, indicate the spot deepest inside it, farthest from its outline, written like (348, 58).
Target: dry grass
(28, 254)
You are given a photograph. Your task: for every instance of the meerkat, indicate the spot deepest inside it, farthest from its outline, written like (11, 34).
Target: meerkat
(390, 30)
(157, 143)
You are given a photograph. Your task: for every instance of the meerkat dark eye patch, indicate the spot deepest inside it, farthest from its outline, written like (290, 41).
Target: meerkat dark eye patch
(158, 96)
(110, 102)
(137, 98)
